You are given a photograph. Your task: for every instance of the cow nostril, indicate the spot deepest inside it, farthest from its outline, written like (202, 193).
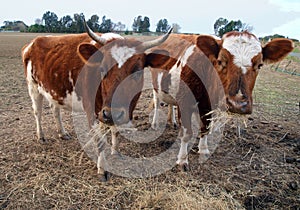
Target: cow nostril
(243, 103)
(106, 114)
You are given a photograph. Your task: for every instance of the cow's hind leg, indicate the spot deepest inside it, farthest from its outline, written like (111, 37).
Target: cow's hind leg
(155, 121)
(60, 128)
(37, 105)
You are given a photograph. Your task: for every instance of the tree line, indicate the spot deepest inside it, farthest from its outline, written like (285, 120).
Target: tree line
(51, 23)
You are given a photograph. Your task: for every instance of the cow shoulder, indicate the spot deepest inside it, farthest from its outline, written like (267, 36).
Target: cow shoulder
(276, 50)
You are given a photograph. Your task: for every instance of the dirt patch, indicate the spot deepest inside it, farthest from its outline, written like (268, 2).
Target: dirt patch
(258, 170)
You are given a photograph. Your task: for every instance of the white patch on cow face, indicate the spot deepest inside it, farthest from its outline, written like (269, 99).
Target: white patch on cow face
(243, 48)
(122, 54)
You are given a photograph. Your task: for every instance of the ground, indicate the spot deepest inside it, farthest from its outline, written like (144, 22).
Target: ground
(259, 169)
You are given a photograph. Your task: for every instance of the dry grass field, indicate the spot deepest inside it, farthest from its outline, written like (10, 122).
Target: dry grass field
(260, 169)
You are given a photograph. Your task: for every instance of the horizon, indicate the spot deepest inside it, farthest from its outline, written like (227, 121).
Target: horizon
(268, 17)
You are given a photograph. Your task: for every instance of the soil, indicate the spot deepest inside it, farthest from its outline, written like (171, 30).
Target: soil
(258, 169)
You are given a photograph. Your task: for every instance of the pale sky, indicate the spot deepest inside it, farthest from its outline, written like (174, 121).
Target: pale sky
(194, 16)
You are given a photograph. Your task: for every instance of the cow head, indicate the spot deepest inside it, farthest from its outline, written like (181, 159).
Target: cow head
(238, 58)
(120, 63)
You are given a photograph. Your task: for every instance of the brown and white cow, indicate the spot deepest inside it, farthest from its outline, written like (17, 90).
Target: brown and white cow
(61, 68)
(236, 59)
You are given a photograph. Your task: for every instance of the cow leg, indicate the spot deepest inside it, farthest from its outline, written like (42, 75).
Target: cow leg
(172, 116)
(155, 123)
(37, 105)
(182, 158)
(104, 175)
(203, 147)
(60, 128)
(114, 141)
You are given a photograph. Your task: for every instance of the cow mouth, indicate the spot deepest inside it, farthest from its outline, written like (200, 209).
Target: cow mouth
(112, 117)
(239, 107)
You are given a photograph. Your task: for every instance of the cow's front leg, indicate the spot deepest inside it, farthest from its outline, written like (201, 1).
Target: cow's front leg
(182, 158)
(202, 146)
(103, 175)
(114, 141)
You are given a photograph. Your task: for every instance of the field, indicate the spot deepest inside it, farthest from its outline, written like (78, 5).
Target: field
(260, 169)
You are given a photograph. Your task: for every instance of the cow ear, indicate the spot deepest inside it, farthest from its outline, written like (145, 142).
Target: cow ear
(89, 54)
(209, 46)
(157, 58)
(276, 50)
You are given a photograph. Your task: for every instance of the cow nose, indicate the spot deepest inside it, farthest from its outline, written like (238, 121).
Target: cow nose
(113, 116)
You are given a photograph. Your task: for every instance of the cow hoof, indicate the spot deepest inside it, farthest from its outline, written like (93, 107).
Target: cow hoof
(184, 167)
(105, 177)
(175, 126)
(204, 152)
(154, 127)
(42, 140)
(65, 136)
(116, 154)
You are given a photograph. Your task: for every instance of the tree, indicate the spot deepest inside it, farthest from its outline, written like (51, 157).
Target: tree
(223, 26)
(162, 26)
(51, 21)
(145, 25)
(220, 23)
(36, 28)
(119, 26)
(137, 23)
(77, 24)
(93, 23)
(141, 24)
(38, 21)
(176, 28)
(106, 25)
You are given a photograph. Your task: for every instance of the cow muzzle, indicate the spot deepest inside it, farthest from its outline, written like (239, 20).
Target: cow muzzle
(113, 116)
(239, 106)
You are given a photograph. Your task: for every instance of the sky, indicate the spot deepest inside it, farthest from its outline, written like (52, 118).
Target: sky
(267, 17)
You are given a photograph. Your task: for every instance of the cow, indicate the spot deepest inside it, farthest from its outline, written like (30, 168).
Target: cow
(236, 60)
(62, 68)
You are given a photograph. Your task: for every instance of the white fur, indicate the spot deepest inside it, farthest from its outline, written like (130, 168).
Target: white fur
(110, 36)
(182, 157)
(26, 49)
(122, 54)
(203, 147)
(169, 98)
(243, 49)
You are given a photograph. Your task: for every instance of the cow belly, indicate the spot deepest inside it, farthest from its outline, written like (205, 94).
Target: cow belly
(69, 102)
(166, 98)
